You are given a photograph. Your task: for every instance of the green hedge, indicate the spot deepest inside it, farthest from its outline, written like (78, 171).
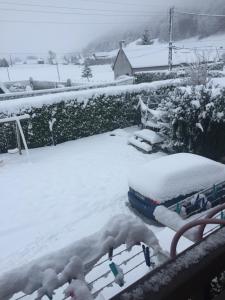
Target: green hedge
(216, 66)
(73, 119)
(155, 76)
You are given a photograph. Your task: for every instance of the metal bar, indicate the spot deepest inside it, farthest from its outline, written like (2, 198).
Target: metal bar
(108, 272)
(23, 138)
(14, 118)
(211, 214)
(18, 139)
(186, 227)
(110, 283)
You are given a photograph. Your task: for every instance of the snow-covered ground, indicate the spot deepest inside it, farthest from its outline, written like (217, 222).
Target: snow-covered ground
(65, 193)
(157, 54)
(101, 73)
(69, 192)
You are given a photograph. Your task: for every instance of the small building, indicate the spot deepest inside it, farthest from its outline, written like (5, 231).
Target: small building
(128, 63)
(100, 58)
(40, 61)
(146, 58)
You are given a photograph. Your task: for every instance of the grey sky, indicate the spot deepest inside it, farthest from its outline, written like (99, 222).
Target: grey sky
(40, 37)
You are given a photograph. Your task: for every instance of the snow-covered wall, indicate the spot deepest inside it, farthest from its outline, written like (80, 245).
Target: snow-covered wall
(72, 263)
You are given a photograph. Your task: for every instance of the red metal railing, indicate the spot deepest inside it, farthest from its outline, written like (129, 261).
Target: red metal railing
(202, 223)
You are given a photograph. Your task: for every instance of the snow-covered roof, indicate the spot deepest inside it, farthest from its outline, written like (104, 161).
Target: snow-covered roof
(158, 56)
(178, 174)
(186, 51)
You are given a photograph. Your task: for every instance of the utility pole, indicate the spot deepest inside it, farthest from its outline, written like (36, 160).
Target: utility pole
(7, 68)
(170, 58)
(57, 67)
(11, 62)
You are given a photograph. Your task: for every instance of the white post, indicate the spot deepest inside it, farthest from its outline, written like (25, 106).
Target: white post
(23, 137)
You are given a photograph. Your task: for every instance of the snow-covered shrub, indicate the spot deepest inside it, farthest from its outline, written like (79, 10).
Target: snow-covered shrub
(156, 76)
(196, 121)
(197, 74)
(212, 71)
(216, 66)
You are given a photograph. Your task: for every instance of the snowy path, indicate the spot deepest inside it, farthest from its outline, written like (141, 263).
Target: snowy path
(65, 193)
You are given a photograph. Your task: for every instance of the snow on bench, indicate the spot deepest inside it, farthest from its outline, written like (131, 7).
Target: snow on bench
(152, 124)
(149, 136)
(140, 144)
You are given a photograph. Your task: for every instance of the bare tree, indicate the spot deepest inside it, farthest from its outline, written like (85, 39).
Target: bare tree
(197, 72)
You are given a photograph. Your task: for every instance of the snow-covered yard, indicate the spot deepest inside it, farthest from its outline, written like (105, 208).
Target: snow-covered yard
(101, 73)
(65, 193)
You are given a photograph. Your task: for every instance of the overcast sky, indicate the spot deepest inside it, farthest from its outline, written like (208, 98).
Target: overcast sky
(37, 25)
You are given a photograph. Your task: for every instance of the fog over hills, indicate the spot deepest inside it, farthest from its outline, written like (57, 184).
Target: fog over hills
(185, 25)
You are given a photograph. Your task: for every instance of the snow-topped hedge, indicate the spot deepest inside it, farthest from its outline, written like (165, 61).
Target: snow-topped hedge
(156, 76)
(67, 116)
(213, 72)
(196, 121)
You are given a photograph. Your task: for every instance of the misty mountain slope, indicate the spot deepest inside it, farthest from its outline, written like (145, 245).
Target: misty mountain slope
(185, 25)
(211, 48)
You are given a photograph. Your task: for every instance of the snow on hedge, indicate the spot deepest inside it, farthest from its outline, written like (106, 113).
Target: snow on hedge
(72, 263)
(178, 174)
(16, 105)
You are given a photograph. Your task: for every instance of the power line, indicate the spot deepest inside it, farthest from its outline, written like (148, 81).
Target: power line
(199, 14)
(70, 23)
(68, 7)
(199, 48)
(75, 13)
(117, 3)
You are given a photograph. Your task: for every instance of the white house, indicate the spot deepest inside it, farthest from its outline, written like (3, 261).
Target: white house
(144, 58)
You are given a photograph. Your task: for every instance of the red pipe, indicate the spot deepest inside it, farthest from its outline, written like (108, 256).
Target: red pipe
(186, 227)
(211, 214)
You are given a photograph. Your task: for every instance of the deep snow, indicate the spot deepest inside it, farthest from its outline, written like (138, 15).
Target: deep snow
(102, 73)
(65, 193)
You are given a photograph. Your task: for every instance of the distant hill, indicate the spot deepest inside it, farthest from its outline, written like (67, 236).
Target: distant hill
(185, 26)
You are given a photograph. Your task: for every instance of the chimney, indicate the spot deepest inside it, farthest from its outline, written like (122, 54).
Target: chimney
(121, 43)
